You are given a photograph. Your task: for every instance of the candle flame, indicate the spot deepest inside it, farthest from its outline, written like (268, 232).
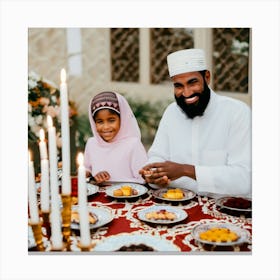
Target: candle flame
(80, 159)
(63, 75)
(42, 134)
(49, 121)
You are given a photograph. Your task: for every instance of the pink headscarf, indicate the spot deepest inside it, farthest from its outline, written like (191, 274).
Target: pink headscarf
(125, 155)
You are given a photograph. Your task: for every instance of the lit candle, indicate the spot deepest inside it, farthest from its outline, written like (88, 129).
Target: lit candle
(55, 209)
(45, 193)
(43, 145)
(65, 135)
(82, 201)
(32, 196)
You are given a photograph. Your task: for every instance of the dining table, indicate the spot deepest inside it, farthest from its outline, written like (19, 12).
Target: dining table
(122, 225)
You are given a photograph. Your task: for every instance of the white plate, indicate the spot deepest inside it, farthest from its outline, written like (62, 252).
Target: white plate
(242, 233)
(114, 243)
(104, 216)
(140, 190)
(91, 189)
(222, 200)
(180, 214)
(187, 195)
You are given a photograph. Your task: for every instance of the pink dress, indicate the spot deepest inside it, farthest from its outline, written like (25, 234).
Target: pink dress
(124, 156)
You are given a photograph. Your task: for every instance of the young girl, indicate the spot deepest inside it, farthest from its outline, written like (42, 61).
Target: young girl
(115, 152)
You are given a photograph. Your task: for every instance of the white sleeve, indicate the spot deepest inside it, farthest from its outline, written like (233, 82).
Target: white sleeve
(235, 176)
(159, 151)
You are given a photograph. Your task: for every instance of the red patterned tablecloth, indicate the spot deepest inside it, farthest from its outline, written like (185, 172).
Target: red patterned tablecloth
(200, 210)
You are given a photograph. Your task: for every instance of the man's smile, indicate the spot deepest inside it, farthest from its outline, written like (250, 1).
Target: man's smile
(190, 100)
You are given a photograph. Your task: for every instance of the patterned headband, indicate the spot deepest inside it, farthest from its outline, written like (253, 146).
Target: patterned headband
(105, 100)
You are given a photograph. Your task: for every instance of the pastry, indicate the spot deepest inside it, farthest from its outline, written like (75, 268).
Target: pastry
(174, 194)
(76, 219)
(125, 190)
(161, 215)
(118, 192)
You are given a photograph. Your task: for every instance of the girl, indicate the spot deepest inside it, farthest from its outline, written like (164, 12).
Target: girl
(115, 152)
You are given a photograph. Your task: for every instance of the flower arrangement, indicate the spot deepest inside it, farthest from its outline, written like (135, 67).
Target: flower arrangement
(43, 100)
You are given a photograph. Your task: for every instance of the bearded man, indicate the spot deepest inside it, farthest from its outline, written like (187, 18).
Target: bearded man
(203, 142)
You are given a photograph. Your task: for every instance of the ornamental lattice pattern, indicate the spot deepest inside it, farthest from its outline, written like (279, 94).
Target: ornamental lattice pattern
(231, 59)
(163, 42)
(125, 54)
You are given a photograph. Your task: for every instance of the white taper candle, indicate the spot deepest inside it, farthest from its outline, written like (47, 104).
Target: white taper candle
(45, 186)
(55, 209)
(65, 135)
(32, 196)
(82, 202)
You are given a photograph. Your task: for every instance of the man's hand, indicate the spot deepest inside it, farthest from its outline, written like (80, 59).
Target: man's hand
(161, 173)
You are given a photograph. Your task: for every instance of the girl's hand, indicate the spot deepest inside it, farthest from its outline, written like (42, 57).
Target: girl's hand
(101, 177)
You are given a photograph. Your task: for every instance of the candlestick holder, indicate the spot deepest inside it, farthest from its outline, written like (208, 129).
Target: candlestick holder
(58, 249)
(46, 223)
(66, 219)
(37, 232)
(85, 248)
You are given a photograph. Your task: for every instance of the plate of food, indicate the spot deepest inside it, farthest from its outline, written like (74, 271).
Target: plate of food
(98, 217)
(220, 234)
(174, 194)
(162, 214)
(126, 190)
(135, 243)
(240, 204)
(91, 189)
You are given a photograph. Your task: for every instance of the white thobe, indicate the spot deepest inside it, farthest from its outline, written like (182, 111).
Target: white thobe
(218, 144)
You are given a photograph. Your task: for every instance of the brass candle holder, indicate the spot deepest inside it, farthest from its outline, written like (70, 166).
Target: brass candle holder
(58, 249)
(37, 232)
(46, 223)
(66, 219)
(85, 248)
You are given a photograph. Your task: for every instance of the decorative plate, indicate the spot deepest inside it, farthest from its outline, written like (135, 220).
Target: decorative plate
(222, 202)
(140, 189)
(114, 243)
(243, 234)
(92, 189)
(187, 195)
(104, 216)
(180, 214)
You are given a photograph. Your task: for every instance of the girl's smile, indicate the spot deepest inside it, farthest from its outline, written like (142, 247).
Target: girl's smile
(107, 124)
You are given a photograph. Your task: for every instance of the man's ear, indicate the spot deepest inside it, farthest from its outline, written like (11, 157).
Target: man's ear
(207, 77)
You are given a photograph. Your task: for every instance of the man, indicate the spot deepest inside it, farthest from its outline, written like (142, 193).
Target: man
(203, 142)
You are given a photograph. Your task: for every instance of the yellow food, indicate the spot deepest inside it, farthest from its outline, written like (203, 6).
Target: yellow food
(174, 194)
(118, 192)
(125, 190)
(76, 219)
(219, 235)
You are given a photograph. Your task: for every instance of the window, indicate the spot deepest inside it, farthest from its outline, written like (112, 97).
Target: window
(125, 54)
(138, 56)
(231, 59)
(163, 42)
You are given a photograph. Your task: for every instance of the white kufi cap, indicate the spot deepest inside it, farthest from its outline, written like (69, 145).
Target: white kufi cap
(184, 61)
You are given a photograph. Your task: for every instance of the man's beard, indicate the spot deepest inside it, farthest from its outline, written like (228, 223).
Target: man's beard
(196, 109)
